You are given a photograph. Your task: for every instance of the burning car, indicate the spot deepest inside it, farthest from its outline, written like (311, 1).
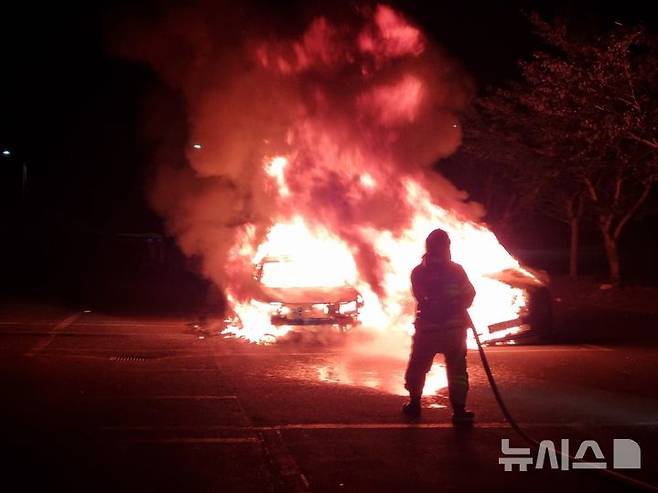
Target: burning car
(309, 278)
(304, 274)
(299, 294)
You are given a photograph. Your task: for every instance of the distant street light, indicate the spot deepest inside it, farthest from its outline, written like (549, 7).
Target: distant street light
(6, 152)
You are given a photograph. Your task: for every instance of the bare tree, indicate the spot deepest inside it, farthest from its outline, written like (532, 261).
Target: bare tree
(522, 174)
(589, 107)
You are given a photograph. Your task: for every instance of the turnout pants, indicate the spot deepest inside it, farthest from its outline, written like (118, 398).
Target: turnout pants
(426, 344)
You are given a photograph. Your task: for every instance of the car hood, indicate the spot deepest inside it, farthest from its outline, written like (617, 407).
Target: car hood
(517, 278)
(308, 295)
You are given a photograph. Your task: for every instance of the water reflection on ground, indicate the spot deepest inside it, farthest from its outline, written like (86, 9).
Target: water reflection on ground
(384, 374)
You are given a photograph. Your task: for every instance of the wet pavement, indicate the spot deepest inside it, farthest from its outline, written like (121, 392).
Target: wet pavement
(156, 404)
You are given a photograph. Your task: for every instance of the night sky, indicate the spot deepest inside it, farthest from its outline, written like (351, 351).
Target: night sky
(73, 113)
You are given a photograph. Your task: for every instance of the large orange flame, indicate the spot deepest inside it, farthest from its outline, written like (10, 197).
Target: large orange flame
(319, 257)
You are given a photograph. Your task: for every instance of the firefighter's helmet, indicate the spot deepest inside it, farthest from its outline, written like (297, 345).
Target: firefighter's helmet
(437, 241)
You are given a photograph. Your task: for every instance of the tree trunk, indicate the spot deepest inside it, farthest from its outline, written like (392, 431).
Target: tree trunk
(573, 247)
(612, 253)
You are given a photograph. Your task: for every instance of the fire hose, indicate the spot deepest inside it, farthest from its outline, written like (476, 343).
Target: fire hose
(622, 478)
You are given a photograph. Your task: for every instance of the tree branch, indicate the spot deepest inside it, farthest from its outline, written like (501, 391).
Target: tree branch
(591, 189)
(615, 198)
(633, 209)
(631, 87)
(651, 143)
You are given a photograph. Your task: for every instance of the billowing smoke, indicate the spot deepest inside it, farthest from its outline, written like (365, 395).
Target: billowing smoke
(356, 101)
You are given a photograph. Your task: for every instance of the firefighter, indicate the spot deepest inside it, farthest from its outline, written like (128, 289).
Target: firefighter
(443, 293)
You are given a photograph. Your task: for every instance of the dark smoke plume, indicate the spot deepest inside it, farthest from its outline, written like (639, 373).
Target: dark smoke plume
(343, 95)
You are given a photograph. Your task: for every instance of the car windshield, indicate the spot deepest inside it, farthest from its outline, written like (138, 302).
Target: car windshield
(297, 274)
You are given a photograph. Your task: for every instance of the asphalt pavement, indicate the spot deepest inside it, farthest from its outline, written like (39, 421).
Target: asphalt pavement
(118, 403)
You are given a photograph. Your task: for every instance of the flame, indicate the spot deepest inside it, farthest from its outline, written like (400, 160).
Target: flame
(275, 168)
(313, 258)
(316, 256)
(344, 212)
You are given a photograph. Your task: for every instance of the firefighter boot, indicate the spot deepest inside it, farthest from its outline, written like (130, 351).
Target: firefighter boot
(461, 416)
(411, 409)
